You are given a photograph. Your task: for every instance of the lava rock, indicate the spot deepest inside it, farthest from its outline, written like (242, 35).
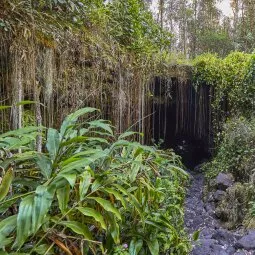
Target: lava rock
(224, 236)
(240, 253)
(218, 250)
(207, 233)
(230, 250)
(219, 195)
(205, 247)
(224, 181)
(209, 247)
(247, 242)
(210, 209)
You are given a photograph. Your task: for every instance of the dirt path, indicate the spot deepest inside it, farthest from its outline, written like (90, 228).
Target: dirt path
(213, 240)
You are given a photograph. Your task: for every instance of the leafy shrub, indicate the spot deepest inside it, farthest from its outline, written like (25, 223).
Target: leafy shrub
(232, 79)
(235, 149)
(89, 192)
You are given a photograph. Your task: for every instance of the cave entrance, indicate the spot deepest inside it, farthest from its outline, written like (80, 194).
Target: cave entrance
(182, 119)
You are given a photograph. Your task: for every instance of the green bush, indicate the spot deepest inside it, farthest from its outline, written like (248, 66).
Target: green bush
(89, 192)
(235, 149)
(232, 79)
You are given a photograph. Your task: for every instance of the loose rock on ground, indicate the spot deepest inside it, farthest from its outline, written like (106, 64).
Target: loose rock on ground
(199, 215)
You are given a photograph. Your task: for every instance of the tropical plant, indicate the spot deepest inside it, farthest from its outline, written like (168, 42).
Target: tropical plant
(89, 192)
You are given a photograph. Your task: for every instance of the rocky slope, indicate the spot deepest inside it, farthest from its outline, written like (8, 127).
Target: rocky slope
(214, 239)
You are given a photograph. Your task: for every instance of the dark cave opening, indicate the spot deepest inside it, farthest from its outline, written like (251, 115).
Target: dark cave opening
(181, 119)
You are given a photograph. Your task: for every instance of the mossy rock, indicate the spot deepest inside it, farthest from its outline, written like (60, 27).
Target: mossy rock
(234, 206)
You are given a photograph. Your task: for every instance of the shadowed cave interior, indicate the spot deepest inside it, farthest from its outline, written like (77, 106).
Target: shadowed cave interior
(181, 119)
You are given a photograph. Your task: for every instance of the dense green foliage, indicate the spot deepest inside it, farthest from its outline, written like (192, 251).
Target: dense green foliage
(233, 89)
(236, 150)
(130, 23)
(133, 26)
(89, 192)
(232, 79)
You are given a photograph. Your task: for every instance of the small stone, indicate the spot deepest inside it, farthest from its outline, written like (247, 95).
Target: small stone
(218, 250)
(230, 250)
(224, 181)
(247, 242)
(224, 236)
(240, 253)
(205, 247)
(210, 209)
(219, 195)
(207, 233)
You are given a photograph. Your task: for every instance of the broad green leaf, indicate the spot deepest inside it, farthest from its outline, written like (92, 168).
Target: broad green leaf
(14, 143)
(101, 124)
(116, 194)
(107, 206)
(53, 142)
(22, 131)
(86, 152)
(120, 188)
(6, 241)
(195, 235)
(76, 166)
(6, 183)
(24, 220)
(42, 202)
(135, 167)
(63, 195)
(26, 182)
(98, 140)
(45, 165)
(7, 226)
(120, 143)
(93, 213)
(75, 140)
(96, 132)
(135, 246)
(133, 200)
(127, 134)
(114, 229)
(153, 246)
(70, 177)
(96, 184)
(6, 163)
(73, 117)
(80, 156)
(157, 225)
(178, 169)
(80, 164)
(25, 156)
(78, 228)
(84, 184)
